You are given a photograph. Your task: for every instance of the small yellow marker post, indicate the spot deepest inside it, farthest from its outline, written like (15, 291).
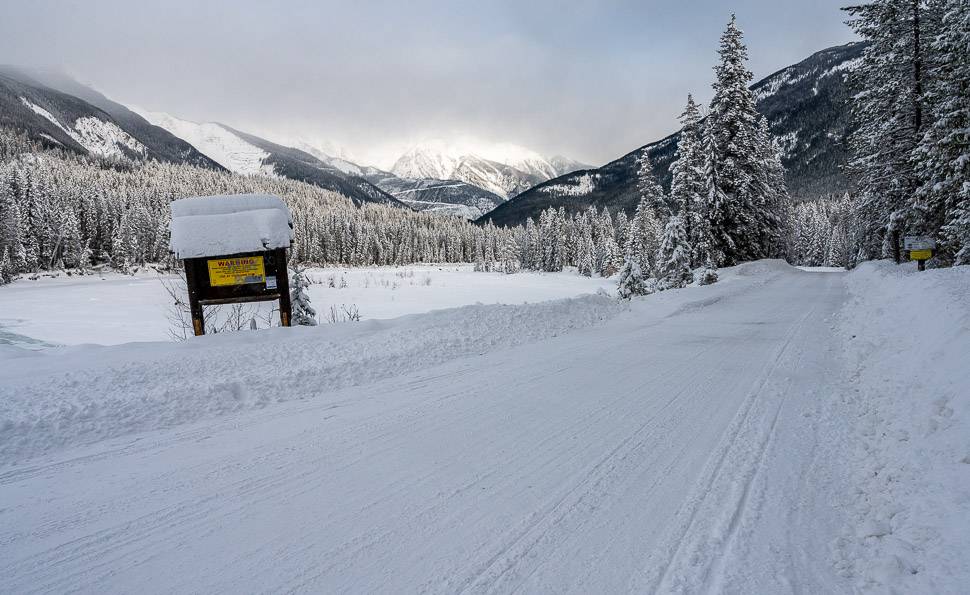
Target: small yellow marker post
(920, 249)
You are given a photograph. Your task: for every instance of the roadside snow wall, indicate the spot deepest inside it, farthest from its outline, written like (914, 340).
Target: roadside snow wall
(907, 345)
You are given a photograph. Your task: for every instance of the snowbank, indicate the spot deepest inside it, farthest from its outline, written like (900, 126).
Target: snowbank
(82, 394)
(907, 346)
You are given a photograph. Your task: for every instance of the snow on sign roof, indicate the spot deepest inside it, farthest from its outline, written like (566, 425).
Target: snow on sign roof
(221, 225)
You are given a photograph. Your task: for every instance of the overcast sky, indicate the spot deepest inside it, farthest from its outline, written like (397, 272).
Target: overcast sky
(590, 80)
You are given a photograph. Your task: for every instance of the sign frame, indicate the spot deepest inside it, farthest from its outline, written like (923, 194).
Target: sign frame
(274, 285)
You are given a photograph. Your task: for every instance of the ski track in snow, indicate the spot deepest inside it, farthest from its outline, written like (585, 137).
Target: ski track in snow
(650, 452)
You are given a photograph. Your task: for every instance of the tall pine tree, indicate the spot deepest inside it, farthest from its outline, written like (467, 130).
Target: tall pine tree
(889, 109)
(736, 196)
(942, 158)
(688, 185)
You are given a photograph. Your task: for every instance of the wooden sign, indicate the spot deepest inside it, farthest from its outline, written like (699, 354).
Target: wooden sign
(235, 278)
(234, 250)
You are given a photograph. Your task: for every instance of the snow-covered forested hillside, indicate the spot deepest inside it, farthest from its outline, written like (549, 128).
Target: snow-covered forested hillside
(60, 209)
(807, 109)
(36, 104)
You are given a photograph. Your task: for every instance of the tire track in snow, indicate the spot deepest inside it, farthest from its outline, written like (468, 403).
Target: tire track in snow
(696, 563)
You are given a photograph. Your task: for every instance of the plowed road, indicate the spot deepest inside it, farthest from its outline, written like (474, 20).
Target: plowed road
(688, 453)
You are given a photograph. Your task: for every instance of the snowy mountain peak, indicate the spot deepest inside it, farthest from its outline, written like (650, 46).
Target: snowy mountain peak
(503, 168)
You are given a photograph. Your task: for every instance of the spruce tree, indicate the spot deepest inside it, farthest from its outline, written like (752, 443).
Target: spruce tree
(643, 237)
(736, 195)
(585, 261)
(687, 187)
(303, 312)
(673, 257)
(6, 266)
(510, 254)
(888, 108)
(943, 155)
(649, 189)
(632, 281)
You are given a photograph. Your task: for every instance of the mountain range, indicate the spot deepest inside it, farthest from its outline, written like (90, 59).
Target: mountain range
(58, 111)
(806, 105)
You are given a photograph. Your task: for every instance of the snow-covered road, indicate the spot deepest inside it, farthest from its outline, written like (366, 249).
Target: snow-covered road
(682, 453)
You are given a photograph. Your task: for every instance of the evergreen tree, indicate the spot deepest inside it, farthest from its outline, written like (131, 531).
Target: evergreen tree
(673, 257)
(643, 235)
(303, 312)
(889, 110)
(943, 155)
(708, 275)
(611, 259)
(510, 254)
(6, 266)
(585, 260)
(632, 282)
(688, 184)
(124, 244)
(736, 200)
(774, 202)
(648, 188)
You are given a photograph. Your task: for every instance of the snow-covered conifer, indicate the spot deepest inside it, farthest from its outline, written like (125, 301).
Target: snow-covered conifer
(735, 198)
(585, 260)
(643, 237)
(688, 185)
(6, 266)
(303, 312)
(889, 109)
(943, 155)
(673, 257)
(632, 281)
(708, 275)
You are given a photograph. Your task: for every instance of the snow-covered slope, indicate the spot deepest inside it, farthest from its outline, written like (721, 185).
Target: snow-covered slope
(215, 141)
(247, 154)
(503, 169)
(97, 136)
(56, 110)
(806, 105)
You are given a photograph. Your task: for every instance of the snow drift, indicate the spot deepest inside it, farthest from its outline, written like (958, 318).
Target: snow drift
(82, 394)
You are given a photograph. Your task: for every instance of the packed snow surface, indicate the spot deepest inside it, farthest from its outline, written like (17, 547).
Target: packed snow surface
(907, 348)
(781, 431)
(222, 225)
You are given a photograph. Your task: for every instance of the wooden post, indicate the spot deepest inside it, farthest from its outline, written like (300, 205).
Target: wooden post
(896, 254)
(921, 265)
(283, 286)
(198, 319)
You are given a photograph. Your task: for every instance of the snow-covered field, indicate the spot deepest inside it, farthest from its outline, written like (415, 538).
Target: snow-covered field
(114, 308)
(782, 431)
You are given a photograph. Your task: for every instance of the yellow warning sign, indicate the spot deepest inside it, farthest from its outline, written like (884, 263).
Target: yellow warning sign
(236, 271)
(920, 254)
